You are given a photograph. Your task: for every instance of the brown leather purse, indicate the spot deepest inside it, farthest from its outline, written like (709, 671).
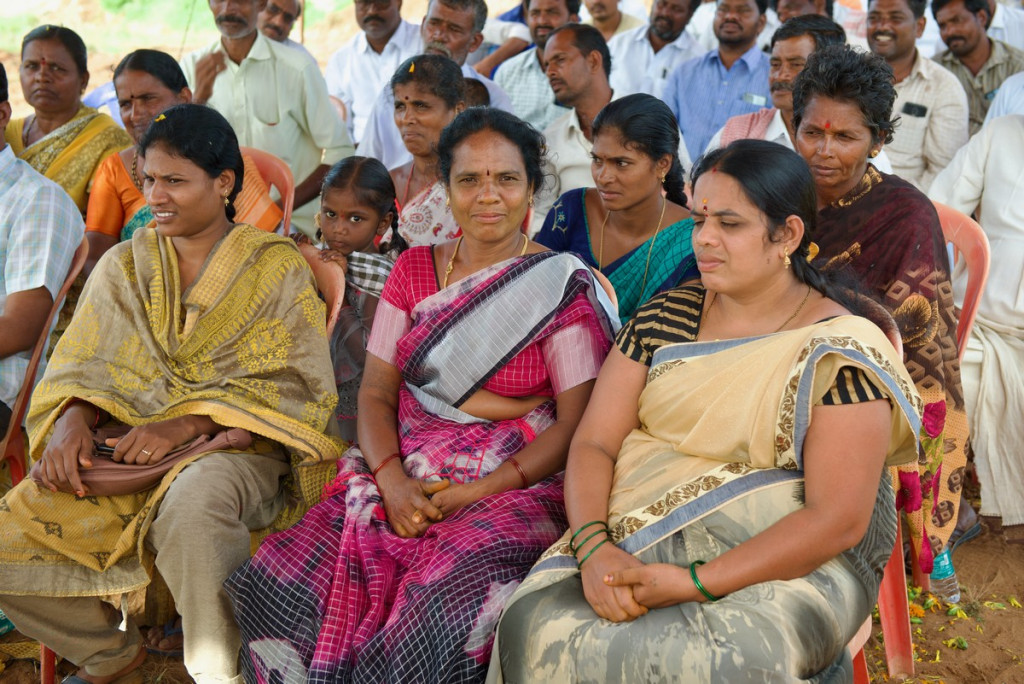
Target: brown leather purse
(108, 477)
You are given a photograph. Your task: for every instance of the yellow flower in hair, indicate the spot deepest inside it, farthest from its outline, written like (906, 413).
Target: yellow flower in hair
(412, 67)
(160, 118)
(812, 251)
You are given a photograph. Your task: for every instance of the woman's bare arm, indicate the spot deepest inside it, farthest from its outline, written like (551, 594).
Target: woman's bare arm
(377, 429)
(611, 415)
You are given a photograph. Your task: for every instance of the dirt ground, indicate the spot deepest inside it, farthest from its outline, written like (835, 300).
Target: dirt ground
(981, 644)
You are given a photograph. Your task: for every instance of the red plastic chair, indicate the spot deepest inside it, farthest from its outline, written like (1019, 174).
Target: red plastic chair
(276, 173)
(893, 608)
(13, 446)
(969, 242)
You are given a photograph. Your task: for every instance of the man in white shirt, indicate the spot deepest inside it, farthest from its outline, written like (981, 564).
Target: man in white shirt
(273, 97)
(929, 99)
(363, 66)
(578, 66)
(40, 228)
(792, 44)
(277, 20)
(1007, 24)
(645, 56)
(523, 77)
(452, 28)
(1009, 99)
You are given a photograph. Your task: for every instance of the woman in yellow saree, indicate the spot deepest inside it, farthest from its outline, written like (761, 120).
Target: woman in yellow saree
(729, 513)
(188, 329)
(64, 140)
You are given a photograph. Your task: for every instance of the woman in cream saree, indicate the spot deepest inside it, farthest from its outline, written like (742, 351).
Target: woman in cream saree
(748, 516)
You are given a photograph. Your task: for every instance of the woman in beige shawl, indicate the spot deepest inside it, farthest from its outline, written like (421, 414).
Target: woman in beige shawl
(192, 327)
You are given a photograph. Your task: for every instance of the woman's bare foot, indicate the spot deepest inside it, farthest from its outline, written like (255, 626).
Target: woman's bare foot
(167, 640)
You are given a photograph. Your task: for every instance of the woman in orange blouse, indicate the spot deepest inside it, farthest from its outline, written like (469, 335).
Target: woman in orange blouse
(148, 82)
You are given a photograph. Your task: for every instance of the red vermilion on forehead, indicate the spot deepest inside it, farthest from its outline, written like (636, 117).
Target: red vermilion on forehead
(828, 124)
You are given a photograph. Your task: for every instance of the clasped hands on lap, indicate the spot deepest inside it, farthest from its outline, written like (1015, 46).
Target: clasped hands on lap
(413, 505)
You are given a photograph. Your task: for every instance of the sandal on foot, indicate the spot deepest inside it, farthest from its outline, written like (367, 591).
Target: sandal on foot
(171, 629)
(960, 536)
(131, 674)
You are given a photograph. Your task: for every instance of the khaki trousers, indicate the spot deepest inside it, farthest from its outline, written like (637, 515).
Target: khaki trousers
(200, 536)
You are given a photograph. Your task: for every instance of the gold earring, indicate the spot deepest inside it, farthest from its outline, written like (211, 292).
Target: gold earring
(662, 179)
(447, 202)
(786, 262)
(316, 219)
(530, 201)
(874, 153)
(226, 201)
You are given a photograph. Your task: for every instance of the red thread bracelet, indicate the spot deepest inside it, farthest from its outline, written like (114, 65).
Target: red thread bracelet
(522, 474)
(76, 400)
(384, 463)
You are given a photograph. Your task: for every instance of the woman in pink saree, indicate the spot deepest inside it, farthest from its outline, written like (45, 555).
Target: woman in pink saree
(481, 360)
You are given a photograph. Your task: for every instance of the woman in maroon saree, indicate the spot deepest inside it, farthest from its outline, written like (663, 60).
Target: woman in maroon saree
(888, 233)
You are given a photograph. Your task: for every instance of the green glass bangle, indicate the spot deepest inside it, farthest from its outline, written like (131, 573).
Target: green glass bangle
(579, 566)
(584, 542)
(700, 587)
(583, 527)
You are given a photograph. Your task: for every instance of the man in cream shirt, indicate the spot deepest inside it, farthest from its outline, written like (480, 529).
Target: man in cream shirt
(930, 101)
(273, 97)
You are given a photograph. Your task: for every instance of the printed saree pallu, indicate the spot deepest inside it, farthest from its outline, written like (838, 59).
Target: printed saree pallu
(70, 154)
(888, 233)
(340, 597)
(718, 458)
(240, 345)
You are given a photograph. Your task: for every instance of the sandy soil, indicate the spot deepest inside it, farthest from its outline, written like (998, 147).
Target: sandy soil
(990, 624)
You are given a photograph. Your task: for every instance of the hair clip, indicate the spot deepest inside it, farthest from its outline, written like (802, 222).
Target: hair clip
(812, 251)
(160, 118)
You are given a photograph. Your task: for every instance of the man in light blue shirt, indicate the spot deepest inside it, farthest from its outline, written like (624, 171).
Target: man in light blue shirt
(40, 228)
(1009, 99)
(705, 91)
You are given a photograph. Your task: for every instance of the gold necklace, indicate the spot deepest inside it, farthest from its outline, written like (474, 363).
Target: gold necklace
(795, 313)
(647, 264)
(451, 262)
(135, 170)
(789, 320)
